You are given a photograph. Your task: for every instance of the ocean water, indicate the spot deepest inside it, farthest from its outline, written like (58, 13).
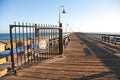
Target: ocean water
(4, 36)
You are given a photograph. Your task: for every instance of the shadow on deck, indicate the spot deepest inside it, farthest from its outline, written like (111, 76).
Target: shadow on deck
(107, 56)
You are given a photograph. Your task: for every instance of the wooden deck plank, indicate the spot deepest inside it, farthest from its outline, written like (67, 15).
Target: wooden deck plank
(84, 59)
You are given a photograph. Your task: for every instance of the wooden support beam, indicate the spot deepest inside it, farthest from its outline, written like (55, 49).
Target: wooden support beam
(3, 72)
(2, 47)
(3, 60)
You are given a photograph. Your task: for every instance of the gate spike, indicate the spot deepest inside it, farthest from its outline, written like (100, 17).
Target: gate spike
(43, 25)
(26, 24)
(46, 25)
(18, 23)
(14, 23)
(34, 24)
(29, 24)
(38, 24)
(22, 23)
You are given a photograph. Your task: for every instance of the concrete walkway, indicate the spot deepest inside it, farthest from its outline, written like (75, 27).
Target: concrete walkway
(85, 58)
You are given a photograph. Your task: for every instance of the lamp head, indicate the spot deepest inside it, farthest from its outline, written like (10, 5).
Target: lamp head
(64, 11)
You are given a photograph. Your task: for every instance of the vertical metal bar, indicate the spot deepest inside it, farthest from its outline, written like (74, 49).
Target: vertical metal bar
(38, 55)
(36, 49)
(20, 45)
(27, 44)
(49, 41)
(46, 37)
(60, 40)
(39, 36)
(30, 43)
(54, 41)
(34, 44)
(23, 33)
(16, 44)
(41, 32)
(11, 52)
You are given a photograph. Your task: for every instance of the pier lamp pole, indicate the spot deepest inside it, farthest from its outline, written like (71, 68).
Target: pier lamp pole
(60, 24)
(60, 32)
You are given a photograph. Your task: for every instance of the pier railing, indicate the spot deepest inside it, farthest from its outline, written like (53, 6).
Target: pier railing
(110, 38)
(30, 44)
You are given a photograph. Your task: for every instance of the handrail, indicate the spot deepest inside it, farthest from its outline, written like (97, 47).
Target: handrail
(111, 38)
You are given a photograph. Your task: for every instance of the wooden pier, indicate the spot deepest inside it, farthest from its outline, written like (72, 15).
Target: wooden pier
(85, 58)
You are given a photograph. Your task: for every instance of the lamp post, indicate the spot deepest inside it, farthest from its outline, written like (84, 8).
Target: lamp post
(60, 32)
(60, 24)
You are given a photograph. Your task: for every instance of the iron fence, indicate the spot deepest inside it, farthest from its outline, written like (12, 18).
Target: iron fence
(33, 43)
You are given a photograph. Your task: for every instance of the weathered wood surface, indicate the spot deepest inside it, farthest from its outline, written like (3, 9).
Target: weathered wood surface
(4, 68)
(2, 47)
(85, 58)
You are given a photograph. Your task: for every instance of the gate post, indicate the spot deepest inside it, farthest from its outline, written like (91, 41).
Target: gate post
(60, 40)
(36, 31)
(11, 51)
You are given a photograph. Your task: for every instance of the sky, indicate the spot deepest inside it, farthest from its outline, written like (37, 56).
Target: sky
(81, 15)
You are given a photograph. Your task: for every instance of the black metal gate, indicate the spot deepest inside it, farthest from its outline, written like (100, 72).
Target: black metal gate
(32, 43)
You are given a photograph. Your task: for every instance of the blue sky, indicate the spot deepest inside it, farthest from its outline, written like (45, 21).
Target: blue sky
(82, 15)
